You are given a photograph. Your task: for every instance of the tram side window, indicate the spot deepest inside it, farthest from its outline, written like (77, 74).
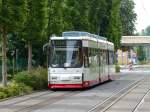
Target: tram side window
(90, 56)
(101, 57)
(93, 58)
(97, 57)
(104, 57)
(107, 57)
(111, 57)
(86, 58)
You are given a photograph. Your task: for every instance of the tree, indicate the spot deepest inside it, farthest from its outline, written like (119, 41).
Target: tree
(12, 19)
(98, 16)
(128, 17)
(0, 5)
(56, 21)
(114, 29)
(67, 15)
(78, 14)
(143, 32)
(147, 31)
(35, 28)
(141, 53)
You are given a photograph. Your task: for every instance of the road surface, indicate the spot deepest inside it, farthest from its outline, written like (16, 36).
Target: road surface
(129, 92)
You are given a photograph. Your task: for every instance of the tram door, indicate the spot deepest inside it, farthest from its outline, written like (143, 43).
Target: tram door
(104, 66)
(100, 64)
(86, 64)
(101, 69)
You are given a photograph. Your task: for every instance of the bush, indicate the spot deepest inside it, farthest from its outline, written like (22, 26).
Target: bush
(26, 78)
(2, 95)
(37, 79)
(117, 67)
(14, 89)
(41, 75)
(3, 92)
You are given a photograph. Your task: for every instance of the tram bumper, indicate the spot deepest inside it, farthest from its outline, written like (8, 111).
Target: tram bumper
(65, 85)
(65, 81)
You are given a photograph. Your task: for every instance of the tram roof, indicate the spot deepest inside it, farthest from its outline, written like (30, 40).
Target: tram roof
(82, 38)
(78, 35)
(81, 33)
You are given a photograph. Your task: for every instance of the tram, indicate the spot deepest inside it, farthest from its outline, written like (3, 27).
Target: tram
(80, 60)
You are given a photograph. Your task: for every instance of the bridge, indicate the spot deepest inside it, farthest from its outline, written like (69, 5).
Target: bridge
(130, 44)
(135, 40)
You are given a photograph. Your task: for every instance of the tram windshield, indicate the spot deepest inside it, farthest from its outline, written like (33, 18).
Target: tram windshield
(66, 54)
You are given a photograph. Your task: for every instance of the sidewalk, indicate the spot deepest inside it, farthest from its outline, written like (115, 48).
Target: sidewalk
(135, 68)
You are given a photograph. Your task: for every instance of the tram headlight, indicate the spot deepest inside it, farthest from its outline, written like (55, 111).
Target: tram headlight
(77, 77)
(54, 78)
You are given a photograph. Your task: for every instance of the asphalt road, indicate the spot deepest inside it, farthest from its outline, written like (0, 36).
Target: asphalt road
(128, 92)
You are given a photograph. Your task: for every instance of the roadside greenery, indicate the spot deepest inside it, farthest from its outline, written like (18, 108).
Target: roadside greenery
(37, 78)
(117, 67)
(14, 89)
(24, 83)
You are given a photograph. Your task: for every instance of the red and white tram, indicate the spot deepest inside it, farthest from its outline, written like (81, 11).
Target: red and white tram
(80, 60)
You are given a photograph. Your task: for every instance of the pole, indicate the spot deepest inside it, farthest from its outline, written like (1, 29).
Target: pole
(4, 59)
(17, 60)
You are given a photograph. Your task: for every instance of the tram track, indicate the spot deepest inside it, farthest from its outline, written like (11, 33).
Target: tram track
(29, 98)
(41, 101)
(140, 102)
(111, 100)
(48, 101)
(40, 104)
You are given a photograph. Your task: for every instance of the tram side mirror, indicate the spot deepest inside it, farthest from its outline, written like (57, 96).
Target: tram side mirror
(46, 51)
(46, 47)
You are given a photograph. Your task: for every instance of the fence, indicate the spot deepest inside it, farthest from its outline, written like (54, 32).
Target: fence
(14, 66)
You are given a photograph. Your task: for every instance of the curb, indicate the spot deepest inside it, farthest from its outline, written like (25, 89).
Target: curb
(12, 97)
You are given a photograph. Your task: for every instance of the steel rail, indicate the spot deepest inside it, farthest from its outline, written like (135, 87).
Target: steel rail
(26, 99)
(108, 102)
(46, 102)
(141, 102)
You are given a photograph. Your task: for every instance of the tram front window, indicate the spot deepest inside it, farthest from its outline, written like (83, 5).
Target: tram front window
(66, 55)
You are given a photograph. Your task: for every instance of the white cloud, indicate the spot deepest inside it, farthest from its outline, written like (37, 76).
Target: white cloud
(142, 8)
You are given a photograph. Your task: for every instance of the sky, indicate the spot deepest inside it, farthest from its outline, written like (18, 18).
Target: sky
(142, 8)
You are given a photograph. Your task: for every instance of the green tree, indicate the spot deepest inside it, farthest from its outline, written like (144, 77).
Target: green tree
(98, 16)
(114, 29)
(0, 5)
(12, 19)
(56, 21)
(78, 14)
(68, 15)
(128, 16)
(35, 28)
(147, 31)
(141, 53)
